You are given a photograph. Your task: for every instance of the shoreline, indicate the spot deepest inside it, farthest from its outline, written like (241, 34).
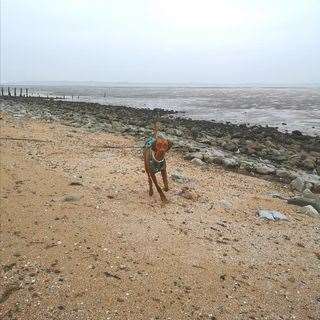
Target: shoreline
(287, 110)
(253, 150)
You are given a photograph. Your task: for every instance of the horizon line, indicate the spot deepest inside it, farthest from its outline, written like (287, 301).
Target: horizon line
(143, 83)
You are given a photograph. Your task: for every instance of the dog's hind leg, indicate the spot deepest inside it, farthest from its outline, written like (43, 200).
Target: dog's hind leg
(165, 179)
(154, 179)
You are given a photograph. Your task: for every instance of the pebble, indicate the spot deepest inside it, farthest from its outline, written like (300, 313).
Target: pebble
(71, 198)
(197, 162)
(271, 215)
(310, 211)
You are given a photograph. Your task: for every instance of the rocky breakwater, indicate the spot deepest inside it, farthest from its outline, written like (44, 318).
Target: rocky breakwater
(292, 158)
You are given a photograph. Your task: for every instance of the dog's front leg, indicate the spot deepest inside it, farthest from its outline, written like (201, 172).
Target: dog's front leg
(154, 179)
(165, 179)
(150, 185)
(146, 167)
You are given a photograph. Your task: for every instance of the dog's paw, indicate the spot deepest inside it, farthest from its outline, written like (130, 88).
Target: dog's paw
(164, 200)
(166, 189)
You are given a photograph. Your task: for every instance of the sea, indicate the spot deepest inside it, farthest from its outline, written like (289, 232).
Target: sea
(287, 108)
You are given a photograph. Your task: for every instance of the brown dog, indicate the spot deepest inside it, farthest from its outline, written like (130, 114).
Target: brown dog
(154, 161)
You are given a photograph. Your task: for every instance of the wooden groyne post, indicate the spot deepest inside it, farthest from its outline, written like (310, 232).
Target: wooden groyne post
(9, 92)
(20, 92)
(27, 92)
(2, 93)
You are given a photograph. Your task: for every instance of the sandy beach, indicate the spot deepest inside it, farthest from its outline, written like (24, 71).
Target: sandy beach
(81, 238)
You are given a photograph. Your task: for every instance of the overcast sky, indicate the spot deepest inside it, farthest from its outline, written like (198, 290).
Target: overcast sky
(203, 41)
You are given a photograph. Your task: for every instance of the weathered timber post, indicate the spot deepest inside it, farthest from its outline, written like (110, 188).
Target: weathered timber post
(20, 92)
(2, 93)
(27, 92)
(9, 92)
(15, 92)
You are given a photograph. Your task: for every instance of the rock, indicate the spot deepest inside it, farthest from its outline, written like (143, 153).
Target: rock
(314, 179)
(175, 132)
(310, 211)
(197, 162)
(193, 155)
(76, 183)
(309, 163)
(71, 198)
(306, 181)
(309, 186)
(297, 133)
(298, 184)
(108, 127)
(214, 156)
(285, 174)
(117, 126)
(307, 198)
(230, 146)
(271, 215)
(307, 193)
(178, 177)
(264, 169)
(247, 165)
(230, 162)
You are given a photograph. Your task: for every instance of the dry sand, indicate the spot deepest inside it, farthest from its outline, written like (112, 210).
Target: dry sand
(113, 252)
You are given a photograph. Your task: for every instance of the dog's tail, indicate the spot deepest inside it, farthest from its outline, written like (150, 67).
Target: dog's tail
(155, 129)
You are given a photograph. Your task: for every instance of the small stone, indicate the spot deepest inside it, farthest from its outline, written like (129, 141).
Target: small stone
(214, 156)
(197, 162)
(285, 174)
(71, 198)
(271, 215)
(307, 193)
(264, 169)
(309, 163)
(76, 183)
(307, 198)
(230, 146)
(178, 177)
(298, 184)
(297, 133)
(194, 155)
(310, 211)
(230, 162)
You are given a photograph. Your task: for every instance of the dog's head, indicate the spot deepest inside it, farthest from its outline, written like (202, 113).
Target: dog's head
(160, 147)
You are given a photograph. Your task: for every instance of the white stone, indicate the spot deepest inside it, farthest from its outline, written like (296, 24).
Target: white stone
(310, 211)
(197, 162)
(271, 215)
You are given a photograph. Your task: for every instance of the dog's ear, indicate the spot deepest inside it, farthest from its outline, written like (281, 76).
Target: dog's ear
(169, 144)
